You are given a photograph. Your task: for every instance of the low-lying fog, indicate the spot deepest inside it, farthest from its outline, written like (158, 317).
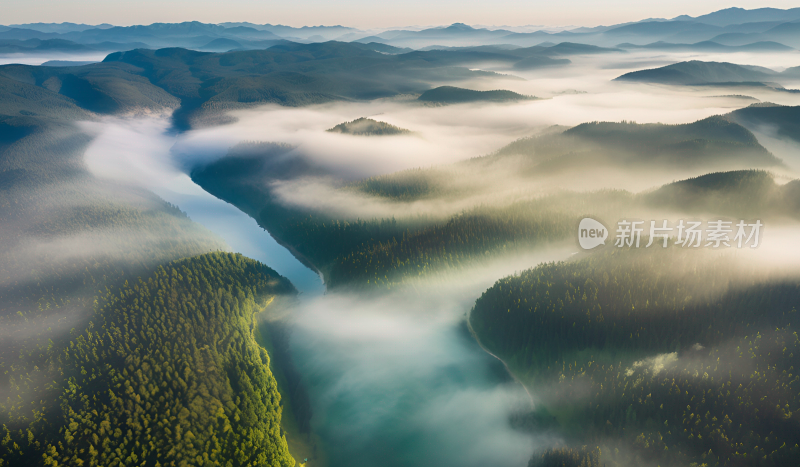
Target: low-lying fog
(38, 59)
(446, 134)
(137, 151)
(396, 379)
(577, 93)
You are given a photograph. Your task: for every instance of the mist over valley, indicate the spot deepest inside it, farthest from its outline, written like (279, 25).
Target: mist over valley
(260, 244)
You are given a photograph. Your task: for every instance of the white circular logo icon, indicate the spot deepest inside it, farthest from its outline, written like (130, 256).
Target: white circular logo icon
(591, 233)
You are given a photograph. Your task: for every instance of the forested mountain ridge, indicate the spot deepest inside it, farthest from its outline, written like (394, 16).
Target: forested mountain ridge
(698, 72)
(99, 88)
(454, 95)
(386, 251)
(167, 372)
(713, 142)
(43, 296)
(743, 194)
(290, 74)
(368, 127)
(782, 119)
(656, 355)
(73, 248)
(717, 74)
(207, 84)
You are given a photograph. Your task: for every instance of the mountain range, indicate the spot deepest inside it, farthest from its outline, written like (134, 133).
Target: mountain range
(202, 84)
(757, 29)
(699, 73)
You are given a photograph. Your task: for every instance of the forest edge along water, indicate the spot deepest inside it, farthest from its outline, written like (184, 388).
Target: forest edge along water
(457, 367)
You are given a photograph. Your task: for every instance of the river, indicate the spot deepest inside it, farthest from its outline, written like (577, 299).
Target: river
(394, 379)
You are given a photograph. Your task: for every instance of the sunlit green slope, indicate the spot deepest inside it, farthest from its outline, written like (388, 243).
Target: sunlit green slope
(662, 356)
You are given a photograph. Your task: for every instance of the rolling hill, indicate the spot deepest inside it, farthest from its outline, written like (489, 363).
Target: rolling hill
(368, 127)
(711, 46)
(60, 27)
(221, 45)
(732, 16)
(783, 32)
(743, 194)
(697, 72)
(63, 46)
(708, 143)
(651, 355)
(205, 84)
(67, 396)
(520, 58)
(783, 120)
(454, 95)
(99, 87)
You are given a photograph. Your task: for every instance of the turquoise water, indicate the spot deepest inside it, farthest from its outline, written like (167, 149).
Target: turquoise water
(241, 232)
(394, 379)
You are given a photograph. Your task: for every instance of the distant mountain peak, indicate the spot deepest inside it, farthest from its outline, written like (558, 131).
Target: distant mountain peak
(736, 15)
(461, 26)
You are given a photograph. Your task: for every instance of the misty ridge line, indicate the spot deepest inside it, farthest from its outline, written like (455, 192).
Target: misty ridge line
(465, 223)
(310, 203)
(718, 18)
(633, 364)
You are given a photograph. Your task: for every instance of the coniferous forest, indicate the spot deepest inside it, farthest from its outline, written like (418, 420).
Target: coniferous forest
(128, 334)
(167, 373)
(671, 356)
(253, 244)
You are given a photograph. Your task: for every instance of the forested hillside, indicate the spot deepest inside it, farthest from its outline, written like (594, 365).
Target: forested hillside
(783, 120)
(711, 143)
(697, 72)
(617, 147)
(740, 193)
(366, 127)
(204, 85)
(388, 251)
(118, 343)
(101, 87)
(454, 95)
(681, 356)
(357, 251)
(167, 371)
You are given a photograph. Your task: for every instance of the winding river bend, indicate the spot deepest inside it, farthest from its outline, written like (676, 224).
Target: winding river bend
(394, 379)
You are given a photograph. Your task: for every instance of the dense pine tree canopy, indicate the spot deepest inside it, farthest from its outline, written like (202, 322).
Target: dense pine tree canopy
(128, 334)
(166, 373)
(655, 354)
(132, 336)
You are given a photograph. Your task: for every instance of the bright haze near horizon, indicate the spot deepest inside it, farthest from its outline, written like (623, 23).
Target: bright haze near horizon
(364, 14)
(418, 174)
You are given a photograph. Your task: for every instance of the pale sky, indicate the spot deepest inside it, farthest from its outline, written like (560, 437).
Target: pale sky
(363, 14)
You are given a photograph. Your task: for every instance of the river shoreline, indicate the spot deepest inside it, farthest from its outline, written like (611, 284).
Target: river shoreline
(392, 379)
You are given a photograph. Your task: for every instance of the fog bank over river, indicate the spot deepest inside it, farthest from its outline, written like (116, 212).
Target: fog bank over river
(138, 151)
(394, 379)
